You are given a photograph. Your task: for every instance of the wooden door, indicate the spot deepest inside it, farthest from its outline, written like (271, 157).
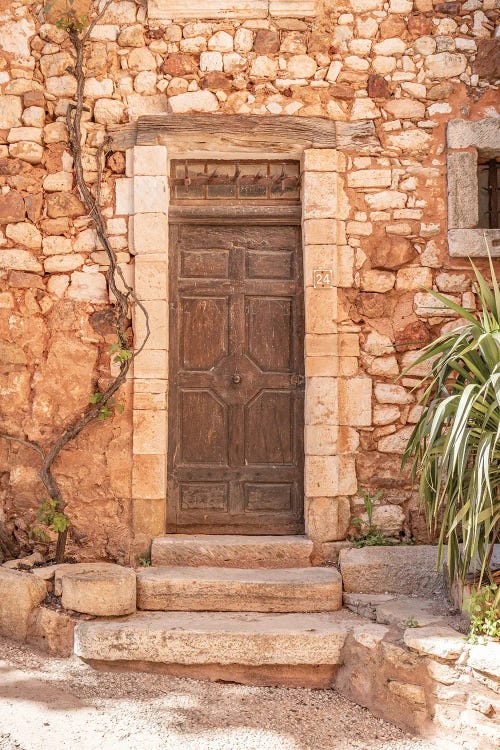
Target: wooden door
(236, 398)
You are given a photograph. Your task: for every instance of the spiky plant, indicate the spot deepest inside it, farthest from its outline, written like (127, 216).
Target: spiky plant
(455, 446)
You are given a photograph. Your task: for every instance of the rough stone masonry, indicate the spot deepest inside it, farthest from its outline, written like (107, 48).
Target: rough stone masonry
(402, 69)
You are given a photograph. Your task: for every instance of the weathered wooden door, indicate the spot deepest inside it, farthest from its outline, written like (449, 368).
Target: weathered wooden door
(236, 395)
(236, 376)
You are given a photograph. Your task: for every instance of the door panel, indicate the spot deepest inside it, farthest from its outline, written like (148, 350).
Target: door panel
(236, 367)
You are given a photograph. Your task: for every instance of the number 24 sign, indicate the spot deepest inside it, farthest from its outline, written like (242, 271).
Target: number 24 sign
(323, 278)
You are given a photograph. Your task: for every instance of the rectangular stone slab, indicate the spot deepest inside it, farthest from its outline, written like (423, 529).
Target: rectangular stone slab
(217, 638)
(396, 570)
(235, 590)
(231, 551)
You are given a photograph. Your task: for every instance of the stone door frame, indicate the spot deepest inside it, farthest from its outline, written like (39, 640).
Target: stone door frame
(331, 391)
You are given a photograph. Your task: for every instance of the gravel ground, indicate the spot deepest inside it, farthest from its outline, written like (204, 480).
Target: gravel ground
(56, 704)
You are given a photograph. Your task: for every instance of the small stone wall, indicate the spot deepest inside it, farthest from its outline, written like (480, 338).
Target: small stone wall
(397, 70)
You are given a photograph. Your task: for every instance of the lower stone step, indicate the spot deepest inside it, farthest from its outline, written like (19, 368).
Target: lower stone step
(265, 647)
(235, 590)
(232, 551)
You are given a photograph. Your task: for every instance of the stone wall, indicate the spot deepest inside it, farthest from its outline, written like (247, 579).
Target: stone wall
(399, 69)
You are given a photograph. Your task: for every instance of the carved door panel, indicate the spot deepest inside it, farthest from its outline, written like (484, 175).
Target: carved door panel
(236, 379)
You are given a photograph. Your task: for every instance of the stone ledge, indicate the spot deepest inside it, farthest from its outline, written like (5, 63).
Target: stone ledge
(474, 243)
(219, 9)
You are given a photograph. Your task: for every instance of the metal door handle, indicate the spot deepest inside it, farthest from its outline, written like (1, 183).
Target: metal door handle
(236, 378)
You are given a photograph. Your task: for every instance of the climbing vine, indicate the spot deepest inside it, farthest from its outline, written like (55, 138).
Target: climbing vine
(102, 403)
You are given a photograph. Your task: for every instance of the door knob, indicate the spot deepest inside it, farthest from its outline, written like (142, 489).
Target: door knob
(236, 378)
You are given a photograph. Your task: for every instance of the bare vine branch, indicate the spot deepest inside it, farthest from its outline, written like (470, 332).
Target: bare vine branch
(114, 275)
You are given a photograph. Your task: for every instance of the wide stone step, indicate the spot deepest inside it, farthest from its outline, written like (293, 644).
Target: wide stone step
(231, 551)
(206, 638)
(235, 590)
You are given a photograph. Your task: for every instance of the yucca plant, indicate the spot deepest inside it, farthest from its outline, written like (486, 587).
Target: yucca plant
(455, 446)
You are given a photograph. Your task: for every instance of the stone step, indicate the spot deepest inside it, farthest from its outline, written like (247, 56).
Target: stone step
(255, 648)
(235, 590)
(231, 551)
(404, 570)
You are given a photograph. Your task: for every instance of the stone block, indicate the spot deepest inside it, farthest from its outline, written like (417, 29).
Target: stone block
(369, 178)
(150, 233)
(52, 631)
(355, 401)
(435, 640)
(148, 517)
(485, 657)
(329, 476)
(480, 134)
(399, 570)
(149, 477)
(20, 594)
(157, 311)
(228, 551)
(151, 278)
(99, 589)
(177, 9)
(124, 194)
(151, 363)
(322, 401)
(320, 195)
(327, 518)
(321, 310)
(150, 194)
(323, 160)
(149, 160)
(150, 432)
(462, 190)
(235, 590)
(319, 231)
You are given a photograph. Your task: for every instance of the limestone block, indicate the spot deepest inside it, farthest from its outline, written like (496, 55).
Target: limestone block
(25, 234)
(377, 281)
(194, 101)
(63, 204)
(309, 589)
(149, 476)
(320, 231)
(61, 86)
(124, 195)
(264, 67)
(355, 401)
(427, 306)
(399, 570)
(386, 199)
(445, 64)
(100, 589)
(90, 287)
(301, 66)
(485, 657)
(58, 181)
(389, 47)
(158, 324)
(387, 393)
(395, 443)
(322, 401)
(435, 640)
(108, 111)
(96, 89)
(329, 476)
(405, 109)
(150, 233)
(19, 260)
(230, 551)
(52, 631)
(20, 593)
(321, 310)
(15, 38)
(218, 638)
(177, 9)
(56, 245)
(27, 151)
(327, 518)
(150, 194)
(11, 108)
(388, 519)
(369, 178)
(462, 190)
(414, 140)
(323, 160)
(63, 263)
(150, 160)
(481, 134)
(414, 277)
(151, 363)
(150, 431)
(407, 691)
(150, 278)
(54, 132)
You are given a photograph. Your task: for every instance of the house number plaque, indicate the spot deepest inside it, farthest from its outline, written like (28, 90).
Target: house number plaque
(323, 278)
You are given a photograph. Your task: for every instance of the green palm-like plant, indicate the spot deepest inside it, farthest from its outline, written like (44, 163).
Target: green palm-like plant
(455, 446)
